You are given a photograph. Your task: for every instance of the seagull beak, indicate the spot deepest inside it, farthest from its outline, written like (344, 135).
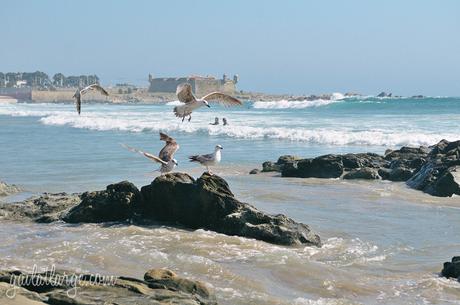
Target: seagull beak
(208, 105)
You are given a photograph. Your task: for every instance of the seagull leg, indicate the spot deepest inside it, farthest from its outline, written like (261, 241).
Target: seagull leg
(189, 117)
(183, 118)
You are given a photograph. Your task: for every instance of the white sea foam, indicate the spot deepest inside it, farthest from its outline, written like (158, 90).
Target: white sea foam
(285, 104)
(245, 125)
(174, 103)
(315, 136)
(322, 301)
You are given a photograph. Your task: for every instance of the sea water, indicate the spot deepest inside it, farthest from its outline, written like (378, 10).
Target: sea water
(383, 243)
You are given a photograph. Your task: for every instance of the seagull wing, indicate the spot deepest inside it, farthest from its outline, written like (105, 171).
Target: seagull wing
(184, 93)
(222, 99)
(94, 87)
(201, 158)
(167, 152)
(145, 154)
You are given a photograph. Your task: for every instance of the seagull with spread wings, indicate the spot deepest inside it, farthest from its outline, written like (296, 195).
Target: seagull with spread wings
(80, 92)
(166, 155)
(185, 95)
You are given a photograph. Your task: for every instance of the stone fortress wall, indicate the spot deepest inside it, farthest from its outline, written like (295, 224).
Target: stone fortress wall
(200, 85)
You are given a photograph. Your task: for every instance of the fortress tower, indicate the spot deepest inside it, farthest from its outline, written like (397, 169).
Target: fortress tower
(201, 85)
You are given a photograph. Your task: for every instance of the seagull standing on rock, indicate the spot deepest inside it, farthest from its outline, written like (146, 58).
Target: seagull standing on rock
(209, 159)
(80, 92)
(165, 157)
(185, 95)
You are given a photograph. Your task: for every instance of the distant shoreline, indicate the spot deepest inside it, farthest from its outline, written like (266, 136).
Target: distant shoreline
(142, 96)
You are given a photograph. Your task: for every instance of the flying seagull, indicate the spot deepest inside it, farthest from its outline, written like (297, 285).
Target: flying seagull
(209, 159)
(185, 95)
(165, 157)
(80, 92)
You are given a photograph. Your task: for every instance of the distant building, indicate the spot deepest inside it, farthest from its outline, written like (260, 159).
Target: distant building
(61, 81)
(21, 84)
(200, 85)
(40, 80)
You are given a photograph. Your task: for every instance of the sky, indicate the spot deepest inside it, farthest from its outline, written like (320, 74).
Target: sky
(297, 47)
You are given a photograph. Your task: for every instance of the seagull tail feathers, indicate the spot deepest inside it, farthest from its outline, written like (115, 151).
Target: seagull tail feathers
(193, 158)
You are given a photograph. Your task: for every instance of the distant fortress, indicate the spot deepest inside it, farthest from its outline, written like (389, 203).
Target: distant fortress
(39, 87)
(201, 85)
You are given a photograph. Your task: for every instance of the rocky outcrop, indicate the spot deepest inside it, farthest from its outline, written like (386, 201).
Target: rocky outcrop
(362, 173)
(45, 208)
(174, 198)
(6, 189)
(384, 94)
(208, 203)
(159, 286)
(269, 166)
(254, 171)
(332, 166)
(440, 174)
(328, 166)
(279, 165)
(434, 170)
(452, 269)
(117, 203)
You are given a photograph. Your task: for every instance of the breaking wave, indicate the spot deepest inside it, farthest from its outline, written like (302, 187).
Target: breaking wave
(244, 124)
(285, 104)
(374, 137)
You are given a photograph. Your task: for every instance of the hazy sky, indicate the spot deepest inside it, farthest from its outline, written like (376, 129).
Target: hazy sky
(403, 46)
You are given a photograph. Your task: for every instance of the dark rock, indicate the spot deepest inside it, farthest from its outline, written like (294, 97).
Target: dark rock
(95, 290)
(417, 96)
(353, 161)
(167, 278)
(437, 179)
(255, 171)
(208, 203)
(384, 173)
(384, 94)
(362, 173)
(278, 166)
(270, 167)
(45, 208)
(287, 159)
(116, 203)
(444, 147)
(407, 155)
(452, 269)
(327, 166)
(175, 198)
(289, 169)
(331, 166)
(447, 184)
(434, 169)
(400, 174)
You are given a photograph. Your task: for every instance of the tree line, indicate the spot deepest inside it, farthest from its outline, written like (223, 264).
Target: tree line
(41, 80)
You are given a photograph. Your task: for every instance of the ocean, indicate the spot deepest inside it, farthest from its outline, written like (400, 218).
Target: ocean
(383, 242)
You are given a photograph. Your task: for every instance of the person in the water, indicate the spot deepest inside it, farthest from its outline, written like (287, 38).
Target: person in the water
(216, 121)
(224, 120)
